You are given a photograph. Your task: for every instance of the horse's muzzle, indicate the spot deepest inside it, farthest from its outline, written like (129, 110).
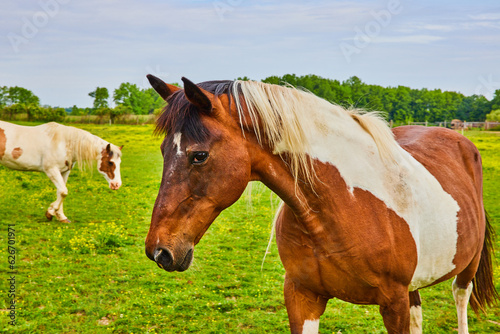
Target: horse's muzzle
(165, 260)
(114, 185)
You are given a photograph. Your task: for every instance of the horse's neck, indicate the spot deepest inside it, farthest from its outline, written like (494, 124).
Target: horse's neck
(335, 138)
(342, 149)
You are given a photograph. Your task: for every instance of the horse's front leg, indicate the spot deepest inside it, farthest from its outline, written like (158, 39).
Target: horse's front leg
(395, 311)
(304, 308)
(60, 213)
(56, 208)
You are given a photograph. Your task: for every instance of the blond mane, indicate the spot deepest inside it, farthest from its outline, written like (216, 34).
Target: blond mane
(82, 145)
(285, 117)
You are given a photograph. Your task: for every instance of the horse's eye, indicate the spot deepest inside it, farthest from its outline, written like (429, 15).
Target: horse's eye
(110, 163)
(199, 157)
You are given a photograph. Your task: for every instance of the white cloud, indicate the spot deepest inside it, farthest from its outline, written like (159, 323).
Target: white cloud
(417, 39)
(439, 27)
(486, 16)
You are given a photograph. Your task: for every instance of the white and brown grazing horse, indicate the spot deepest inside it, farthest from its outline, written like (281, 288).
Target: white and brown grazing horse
(54, 149)
(370, 216)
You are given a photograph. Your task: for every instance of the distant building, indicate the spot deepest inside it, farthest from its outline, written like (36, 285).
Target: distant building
(457, 124)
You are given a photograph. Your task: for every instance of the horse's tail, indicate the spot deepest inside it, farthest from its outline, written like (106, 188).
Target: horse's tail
(484, 292)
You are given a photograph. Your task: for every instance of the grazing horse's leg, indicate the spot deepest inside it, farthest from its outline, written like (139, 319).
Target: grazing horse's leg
(55, 208)
(304, 308)
(60, 212)
(461, 297)
(415, 313)
(396, 312)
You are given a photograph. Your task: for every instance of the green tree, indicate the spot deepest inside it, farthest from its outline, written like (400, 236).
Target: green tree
(358, 91)
(401, 110)
(100, 96)
(274, 80)
(112, 113)
(13, 109)
(101, 112)
(33, 111)
(46, 114)
(290, 79)
(75, 111)
(401, 103)
(140, 101)
(437, 105)
(473, 108)
(21, 95)
(119, 110)
(495, 102)
(455, 99)
(375, 102)
(493, 116)
(3, 96)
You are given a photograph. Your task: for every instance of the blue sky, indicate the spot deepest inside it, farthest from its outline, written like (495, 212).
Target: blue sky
(63, 49)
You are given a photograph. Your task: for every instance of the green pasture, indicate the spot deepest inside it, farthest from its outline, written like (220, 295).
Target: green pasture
(92, 276)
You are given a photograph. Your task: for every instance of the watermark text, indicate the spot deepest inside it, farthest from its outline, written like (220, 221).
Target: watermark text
(11, 273)
(364, 36)
(32, 25)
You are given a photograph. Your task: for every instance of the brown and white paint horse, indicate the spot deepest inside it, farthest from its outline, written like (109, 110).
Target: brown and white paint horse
(54, 149)
(370, 216)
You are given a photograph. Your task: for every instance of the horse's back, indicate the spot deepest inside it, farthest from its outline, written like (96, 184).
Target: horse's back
(445, 153)
(414, 138)
(23, 147)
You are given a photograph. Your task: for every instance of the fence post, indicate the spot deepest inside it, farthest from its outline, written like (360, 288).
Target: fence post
(426, 123)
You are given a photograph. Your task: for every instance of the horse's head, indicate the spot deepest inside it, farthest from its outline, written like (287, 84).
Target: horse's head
(108, 164)
(206, 169)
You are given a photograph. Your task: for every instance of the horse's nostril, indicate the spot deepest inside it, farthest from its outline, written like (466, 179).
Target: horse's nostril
(149, 255)
(163, 258)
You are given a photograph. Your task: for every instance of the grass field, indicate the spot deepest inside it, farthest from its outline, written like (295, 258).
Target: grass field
(92, 276)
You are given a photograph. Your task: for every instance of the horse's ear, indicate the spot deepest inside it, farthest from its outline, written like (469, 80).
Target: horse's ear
(196, 96)
(108, 148)
(121, 147)
(162, 88)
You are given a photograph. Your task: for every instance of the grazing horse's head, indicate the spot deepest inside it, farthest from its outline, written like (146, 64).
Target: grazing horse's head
(108, 164)
(206, 169)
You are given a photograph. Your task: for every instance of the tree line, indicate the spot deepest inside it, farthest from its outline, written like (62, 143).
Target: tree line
(401, 104)
(19, 100)
(129, 100)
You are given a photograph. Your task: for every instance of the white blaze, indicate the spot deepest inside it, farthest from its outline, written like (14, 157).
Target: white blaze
(177, 142)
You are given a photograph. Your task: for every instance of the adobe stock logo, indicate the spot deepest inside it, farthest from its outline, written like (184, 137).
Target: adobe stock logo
(222, 7)
(32, 25)
(487, 86)
(372, 29)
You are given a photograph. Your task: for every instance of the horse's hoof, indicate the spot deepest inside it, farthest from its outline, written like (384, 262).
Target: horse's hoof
(65, 221)
(48, 215)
